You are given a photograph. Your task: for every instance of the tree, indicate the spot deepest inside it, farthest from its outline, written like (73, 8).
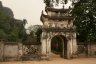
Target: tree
(37, 31)
(11, 29)
(38, 34)
(85, 19)
(2, 34)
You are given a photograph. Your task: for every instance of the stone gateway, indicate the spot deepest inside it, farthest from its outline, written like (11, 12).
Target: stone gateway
(58, 32)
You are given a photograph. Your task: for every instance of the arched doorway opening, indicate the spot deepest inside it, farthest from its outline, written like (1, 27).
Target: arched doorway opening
(59, 45)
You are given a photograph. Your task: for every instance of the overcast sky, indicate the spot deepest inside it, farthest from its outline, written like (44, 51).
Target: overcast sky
(26, 9)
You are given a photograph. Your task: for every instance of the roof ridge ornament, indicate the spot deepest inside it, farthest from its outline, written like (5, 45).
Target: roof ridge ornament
(63, 6)
(42, 12)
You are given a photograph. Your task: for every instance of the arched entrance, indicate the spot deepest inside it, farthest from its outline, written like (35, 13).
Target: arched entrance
(67, 46)
(59, 45)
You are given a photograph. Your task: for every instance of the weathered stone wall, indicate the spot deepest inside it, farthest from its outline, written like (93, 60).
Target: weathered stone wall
(46, 43)
(10, 51)
(87, 49)
(31, 52)
(92, 50)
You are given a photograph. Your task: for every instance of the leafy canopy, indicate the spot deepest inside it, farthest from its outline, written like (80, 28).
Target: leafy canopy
(85, 21)
(11, 29)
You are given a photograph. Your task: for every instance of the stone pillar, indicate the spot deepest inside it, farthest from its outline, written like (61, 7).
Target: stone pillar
(43, 43)
(44, 48)
(69, 49)
(63, 54)
(48, 47)
(74, 44)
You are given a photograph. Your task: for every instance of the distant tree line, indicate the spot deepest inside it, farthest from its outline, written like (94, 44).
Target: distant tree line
(35, 33)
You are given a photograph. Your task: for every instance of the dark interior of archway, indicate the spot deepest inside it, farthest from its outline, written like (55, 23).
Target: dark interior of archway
(57, 43)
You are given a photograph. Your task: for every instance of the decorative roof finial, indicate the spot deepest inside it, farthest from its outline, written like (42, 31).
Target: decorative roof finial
(63, 6)
(42, 11)
(69, 7)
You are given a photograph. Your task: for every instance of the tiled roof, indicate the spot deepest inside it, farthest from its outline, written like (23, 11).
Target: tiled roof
(56, 17)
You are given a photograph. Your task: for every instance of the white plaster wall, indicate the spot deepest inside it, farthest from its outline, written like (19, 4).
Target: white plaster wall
(10, 50)
(93, 49)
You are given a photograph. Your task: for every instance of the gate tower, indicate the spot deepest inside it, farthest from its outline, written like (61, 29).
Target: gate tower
(58, 22)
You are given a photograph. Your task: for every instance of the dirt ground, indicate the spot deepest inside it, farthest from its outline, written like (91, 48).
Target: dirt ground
(56, 60)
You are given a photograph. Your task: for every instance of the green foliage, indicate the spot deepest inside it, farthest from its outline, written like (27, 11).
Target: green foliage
(30, 38)
(36, 31)
(38, 34)
(85, 21)
(11, 29)
(13, 36)
(2, 34)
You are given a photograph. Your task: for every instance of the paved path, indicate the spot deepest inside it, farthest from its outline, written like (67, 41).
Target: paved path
(56, 60)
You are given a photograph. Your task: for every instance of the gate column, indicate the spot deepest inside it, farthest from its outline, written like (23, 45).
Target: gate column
(74, 44)
(43, 47)
(69, 49)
